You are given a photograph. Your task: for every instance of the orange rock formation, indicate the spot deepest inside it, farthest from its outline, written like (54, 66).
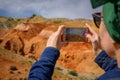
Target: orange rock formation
(29, 39)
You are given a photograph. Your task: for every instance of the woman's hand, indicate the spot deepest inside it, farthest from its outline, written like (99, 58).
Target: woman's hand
(94, 39)
(57, 39)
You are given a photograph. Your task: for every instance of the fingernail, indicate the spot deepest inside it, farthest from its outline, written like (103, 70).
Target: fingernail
(85, 34)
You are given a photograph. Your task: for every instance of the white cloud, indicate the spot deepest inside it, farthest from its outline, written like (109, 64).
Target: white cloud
(49, 8)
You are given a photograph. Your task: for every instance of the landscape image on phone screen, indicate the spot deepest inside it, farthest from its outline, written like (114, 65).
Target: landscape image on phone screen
(75, 34)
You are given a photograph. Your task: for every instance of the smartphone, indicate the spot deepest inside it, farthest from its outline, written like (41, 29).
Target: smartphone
(76, 34)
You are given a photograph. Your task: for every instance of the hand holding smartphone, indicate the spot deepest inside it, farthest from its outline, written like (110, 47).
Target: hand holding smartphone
(76, 34)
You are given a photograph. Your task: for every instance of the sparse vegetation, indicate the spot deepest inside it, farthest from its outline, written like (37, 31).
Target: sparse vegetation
(22, 60)
(7, 23)
(59, 73)
(13, 68)
(57, 21)
(18, 19)
(58, 68)
(73, 73)
(66, 74)
(33, 16)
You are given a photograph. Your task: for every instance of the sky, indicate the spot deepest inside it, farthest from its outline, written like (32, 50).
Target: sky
(71, 9)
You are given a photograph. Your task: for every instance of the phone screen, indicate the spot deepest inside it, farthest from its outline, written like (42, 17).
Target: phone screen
(76, 34)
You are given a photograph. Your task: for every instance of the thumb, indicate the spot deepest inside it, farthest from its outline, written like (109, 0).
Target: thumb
(60, 29)
(90, 29)
(89, 37)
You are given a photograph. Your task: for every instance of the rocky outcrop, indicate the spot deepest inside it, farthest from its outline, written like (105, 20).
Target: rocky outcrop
(29, 40)
(20, 36)
(79, 57)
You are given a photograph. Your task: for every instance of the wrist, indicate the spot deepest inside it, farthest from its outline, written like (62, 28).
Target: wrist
(51, 46)
(98, 51)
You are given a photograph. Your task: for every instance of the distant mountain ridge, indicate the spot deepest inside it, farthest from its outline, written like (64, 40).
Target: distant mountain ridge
(12, 22)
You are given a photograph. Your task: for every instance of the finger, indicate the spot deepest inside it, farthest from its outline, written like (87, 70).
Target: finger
(60, 29)
(89, 37)
(65, 43)
(60, 32)
(64, 34)
(90, 29)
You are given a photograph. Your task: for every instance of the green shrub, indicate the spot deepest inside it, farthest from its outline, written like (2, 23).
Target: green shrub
(58, 68)
(57, 21)
(13, 68)
(33, 16)
(73, 73)
(18, 19)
